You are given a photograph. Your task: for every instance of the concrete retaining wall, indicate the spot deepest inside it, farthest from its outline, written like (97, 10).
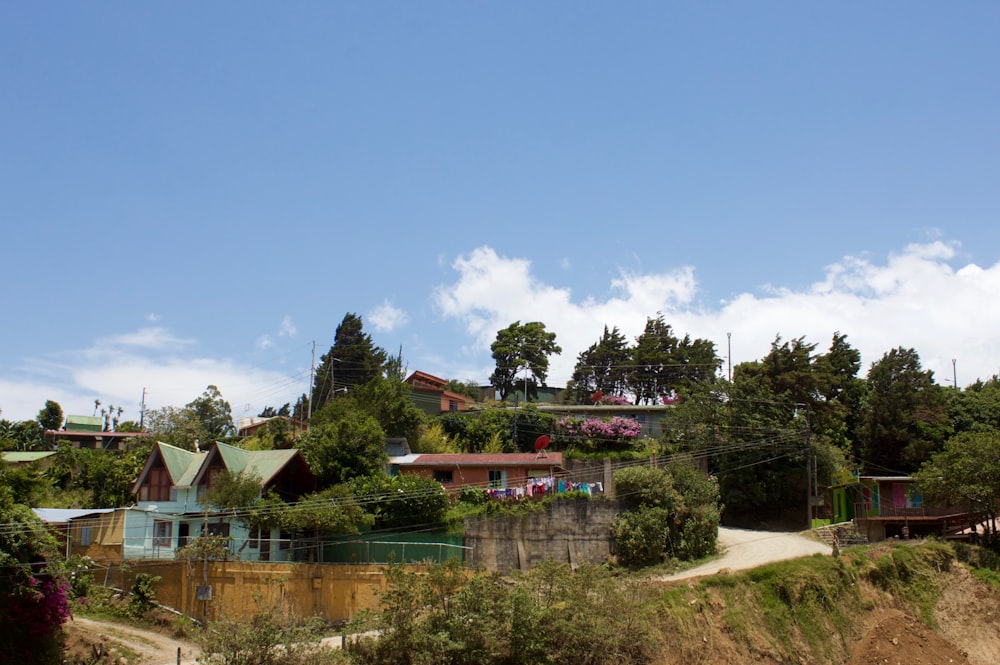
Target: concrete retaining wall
(574, 532)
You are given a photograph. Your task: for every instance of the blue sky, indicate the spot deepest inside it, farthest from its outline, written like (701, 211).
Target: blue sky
(194, 193)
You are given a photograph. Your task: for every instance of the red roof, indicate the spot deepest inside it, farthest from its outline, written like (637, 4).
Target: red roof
(485, 459)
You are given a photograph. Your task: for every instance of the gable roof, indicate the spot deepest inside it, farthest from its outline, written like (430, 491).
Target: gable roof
(182, 465)
(424, 380)
(265, 464)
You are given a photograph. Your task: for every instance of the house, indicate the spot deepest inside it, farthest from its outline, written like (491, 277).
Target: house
(25, 458)
(250, 425)
(484, 470)
(649, 416)
(541, 395)
(169, 514)
(429, 394)
(88, 432)
(93, 532)
(891, 506)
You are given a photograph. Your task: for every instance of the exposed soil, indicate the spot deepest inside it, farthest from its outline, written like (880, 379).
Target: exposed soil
(895, 638)
(93, 641)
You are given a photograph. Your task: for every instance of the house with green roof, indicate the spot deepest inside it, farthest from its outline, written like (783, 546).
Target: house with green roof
(168, 512)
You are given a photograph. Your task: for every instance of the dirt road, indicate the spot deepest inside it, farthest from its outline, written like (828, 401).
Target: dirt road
(155, 648)
(745, 549)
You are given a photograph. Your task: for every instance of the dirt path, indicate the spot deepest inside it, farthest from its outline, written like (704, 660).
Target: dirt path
(155, 648)
(745, 549)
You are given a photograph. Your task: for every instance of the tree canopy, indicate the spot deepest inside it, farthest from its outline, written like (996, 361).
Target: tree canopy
(904, 419)
(522, 348)
(353, 360)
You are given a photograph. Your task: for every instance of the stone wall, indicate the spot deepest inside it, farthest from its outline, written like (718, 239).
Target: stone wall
(575, 532)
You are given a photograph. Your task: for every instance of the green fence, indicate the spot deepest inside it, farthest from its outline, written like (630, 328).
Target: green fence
(394, 548)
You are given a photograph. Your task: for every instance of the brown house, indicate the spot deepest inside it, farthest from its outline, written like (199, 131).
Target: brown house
(429, 394)
(484, 470)
(89, 432)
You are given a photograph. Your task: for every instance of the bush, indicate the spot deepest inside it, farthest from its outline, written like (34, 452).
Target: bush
(642, 536)
(273, 636)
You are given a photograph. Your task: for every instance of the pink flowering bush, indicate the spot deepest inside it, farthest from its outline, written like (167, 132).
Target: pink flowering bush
(614, 400)
(596, 434)
(36, 615)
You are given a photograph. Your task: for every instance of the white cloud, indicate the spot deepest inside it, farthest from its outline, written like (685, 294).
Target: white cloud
(116, 369)
(914, 298)
(387, 317)
(264, 342)
(152, 318)
(146, 338)
(287, 327)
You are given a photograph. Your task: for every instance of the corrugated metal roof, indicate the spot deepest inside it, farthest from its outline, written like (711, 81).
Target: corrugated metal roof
(264, 463)
(481, 459)
(16, 456)
(63, 515)
(182, 464)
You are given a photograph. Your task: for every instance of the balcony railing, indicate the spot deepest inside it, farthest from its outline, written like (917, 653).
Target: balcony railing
(890, 510)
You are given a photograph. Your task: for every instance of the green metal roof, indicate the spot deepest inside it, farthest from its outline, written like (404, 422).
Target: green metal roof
(17, 456)
(182, 464)
(264, 463)
(85, 423)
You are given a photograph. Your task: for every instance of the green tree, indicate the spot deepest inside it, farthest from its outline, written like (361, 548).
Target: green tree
(21, 435)
(966, 474)
(387, 400)
(401, 501)
(976, 408)
(212, 414)
(522, 348)
(602, 367)
(350, 447)
(353, 360)
(662, 363)
(467, 388)
(329, 512)
(675, 513)
(271, 412)
(904, 420)
(51, 415)
(232, 491)
(109, 475)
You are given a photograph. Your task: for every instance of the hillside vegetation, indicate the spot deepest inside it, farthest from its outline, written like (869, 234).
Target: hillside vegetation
(896, 603)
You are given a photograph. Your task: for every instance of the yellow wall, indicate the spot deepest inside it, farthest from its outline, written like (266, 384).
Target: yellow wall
(241, 589)
(106, 534)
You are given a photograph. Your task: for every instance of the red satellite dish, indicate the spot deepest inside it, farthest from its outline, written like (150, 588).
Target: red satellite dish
(596, 397)
(542, 442)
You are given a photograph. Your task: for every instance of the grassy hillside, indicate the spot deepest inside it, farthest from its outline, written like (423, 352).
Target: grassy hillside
(910, 603)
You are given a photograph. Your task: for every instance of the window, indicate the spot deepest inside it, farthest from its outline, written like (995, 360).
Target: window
(498, 479)
(161, 533)
(86, 537)
(157, 486)
(444, 476)
(254, 540)
(452, 405)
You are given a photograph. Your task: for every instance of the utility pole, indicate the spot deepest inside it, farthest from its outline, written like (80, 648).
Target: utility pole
(954, 373)
(729, 354)
(312, 377)
(142, 409)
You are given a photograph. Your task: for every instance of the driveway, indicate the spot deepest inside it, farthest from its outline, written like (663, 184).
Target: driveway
(745, 549)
